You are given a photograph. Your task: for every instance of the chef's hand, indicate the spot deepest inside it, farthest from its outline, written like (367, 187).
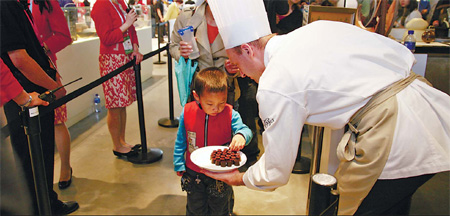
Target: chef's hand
(231, 178)
(237, 143)
(232, 68)
(185, 49)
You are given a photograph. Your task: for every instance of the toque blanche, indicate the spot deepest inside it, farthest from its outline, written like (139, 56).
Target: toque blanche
(240, 21)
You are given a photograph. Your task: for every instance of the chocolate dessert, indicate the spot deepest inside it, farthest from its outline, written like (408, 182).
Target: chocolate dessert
(225, 158)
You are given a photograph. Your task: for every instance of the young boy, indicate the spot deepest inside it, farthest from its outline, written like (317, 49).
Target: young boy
(207, 121)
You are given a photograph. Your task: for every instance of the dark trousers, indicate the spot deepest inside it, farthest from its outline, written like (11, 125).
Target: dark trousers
(19, 143)
(391, 197)
(248, 109)
(206, 196)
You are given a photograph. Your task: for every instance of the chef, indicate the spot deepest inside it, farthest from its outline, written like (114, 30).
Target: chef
(336, 75)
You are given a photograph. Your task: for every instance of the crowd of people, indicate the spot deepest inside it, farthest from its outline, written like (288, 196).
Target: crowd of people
(434, 12)
(242, 80)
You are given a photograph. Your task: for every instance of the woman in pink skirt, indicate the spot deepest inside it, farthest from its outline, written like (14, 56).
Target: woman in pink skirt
(53, 33)
(118, 45)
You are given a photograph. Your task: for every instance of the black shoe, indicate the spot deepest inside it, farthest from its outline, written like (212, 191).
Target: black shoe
(128, 154)
(65, 184)
(136, 147)
(65, 208)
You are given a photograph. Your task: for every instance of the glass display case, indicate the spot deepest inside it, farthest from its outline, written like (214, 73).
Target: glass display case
(81, 24)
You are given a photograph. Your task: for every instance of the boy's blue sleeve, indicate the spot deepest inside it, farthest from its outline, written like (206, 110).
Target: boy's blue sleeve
(180, 146)
(238, 127)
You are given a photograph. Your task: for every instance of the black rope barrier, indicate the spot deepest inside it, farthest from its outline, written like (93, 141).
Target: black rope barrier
(84, 89)
(144, 156)
(160, 35)
(31, 123)
(32, 128)
(170, 122)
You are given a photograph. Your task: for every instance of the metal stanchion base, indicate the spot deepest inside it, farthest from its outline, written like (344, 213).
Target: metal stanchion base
(159, 62)
(167, 122)
(152, 156)
(302, 166)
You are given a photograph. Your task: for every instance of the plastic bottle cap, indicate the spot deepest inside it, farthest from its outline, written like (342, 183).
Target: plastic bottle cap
(410, 31)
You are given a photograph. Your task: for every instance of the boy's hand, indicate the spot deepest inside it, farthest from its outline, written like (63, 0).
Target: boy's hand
(180, 173)
(237, 143)
(232, 68)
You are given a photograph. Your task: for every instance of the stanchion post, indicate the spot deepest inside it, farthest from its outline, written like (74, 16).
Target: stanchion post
(302, 164)
(144, 157)
(32, 128)
(159, 46)
(315, 159)
(317, 149)
(322, 194)
(170, 122)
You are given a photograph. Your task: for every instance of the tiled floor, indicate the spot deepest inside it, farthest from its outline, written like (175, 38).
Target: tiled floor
(105, 185)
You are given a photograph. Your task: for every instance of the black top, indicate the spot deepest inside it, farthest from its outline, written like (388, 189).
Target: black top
(291, 22)
(17, 33)
(274, 7)
(154, 7)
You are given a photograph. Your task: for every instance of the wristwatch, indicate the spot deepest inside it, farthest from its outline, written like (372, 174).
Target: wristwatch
(27, 103)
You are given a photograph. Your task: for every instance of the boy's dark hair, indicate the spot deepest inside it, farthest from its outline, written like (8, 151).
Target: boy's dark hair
(211, 79)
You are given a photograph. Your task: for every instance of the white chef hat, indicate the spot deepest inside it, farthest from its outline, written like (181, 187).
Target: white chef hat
(240, 21)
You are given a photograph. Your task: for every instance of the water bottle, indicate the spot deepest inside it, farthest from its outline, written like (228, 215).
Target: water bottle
(410, 41)
(97, 105)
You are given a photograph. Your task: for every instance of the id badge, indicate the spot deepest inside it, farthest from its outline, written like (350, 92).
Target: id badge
(127, 46)
(191, 139)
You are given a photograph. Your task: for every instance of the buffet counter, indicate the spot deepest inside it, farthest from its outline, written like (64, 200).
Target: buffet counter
(437, 63)
(80, 59)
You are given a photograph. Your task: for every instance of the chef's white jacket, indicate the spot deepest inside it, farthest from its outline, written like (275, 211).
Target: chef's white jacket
(321, 74)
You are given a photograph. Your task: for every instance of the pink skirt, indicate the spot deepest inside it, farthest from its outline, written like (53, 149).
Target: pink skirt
(61, 114)
(120, 91)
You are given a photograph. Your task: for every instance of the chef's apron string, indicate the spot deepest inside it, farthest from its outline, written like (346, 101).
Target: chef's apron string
(367, 167)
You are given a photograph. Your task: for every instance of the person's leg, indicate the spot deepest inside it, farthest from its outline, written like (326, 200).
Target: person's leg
(220, 197)
(115, 124)
(153, 22)
(62, 141)
(196, 194)
(123, 124)
(389, 197)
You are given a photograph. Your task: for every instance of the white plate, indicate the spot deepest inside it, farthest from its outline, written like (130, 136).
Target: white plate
(202, 158)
